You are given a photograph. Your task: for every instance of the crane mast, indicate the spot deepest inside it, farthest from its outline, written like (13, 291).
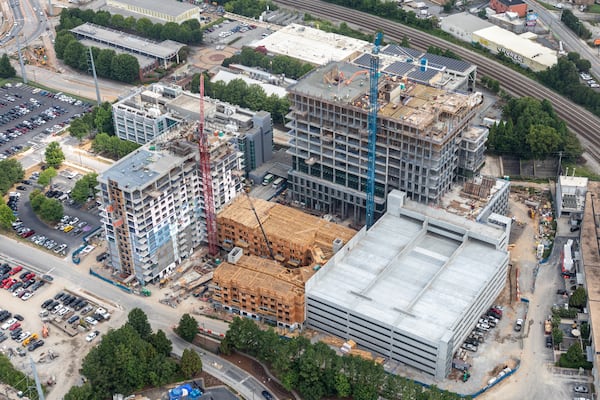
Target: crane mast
(207, 187)
(372, 128)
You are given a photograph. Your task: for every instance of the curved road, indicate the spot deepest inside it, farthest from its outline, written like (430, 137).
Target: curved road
(582, 122)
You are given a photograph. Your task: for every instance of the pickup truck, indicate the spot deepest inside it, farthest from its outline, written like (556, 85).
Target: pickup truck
(547, 327)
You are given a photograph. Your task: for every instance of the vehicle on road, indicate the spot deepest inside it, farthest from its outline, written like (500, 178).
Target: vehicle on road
(267, 395)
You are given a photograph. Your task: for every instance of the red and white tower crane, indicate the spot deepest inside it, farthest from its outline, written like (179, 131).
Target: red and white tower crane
(207, 187)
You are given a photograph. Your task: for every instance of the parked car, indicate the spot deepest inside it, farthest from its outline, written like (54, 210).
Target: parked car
(91, 336)
(580, 389)
(518, 325)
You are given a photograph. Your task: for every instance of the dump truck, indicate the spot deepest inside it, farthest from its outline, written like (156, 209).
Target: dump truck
(547, 327)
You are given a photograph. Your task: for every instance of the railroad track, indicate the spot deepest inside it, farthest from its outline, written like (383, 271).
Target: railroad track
(582, 122)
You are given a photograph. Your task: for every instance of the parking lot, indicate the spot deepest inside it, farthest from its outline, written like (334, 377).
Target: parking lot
(230, 30)
(29, 114)
(66, 235)
(54, 326)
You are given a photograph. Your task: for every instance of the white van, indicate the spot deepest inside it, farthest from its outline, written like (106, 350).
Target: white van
(278, 182)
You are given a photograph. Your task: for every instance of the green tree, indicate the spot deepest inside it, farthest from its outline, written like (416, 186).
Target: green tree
(36, 199)
(103, 120)
(79, 129)
(187, 328)
(84, 392)
(85, 187)
(54, 155)
(7, 217)
(73, 53)
(579, 298)
(125, 68)
(543, 141)
(46, 176)
(63, 38)
(51, 210)
(557, 336)
(138, 319)
(191, 363)
(11, 172)
(161, 343)
(119, 364)
(6, 69)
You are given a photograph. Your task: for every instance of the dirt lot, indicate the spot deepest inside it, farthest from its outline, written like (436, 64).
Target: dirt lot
(65, 367)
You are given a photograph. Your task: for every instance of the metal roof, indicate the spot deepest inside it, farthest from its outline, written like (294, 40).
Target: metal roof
(163, 50)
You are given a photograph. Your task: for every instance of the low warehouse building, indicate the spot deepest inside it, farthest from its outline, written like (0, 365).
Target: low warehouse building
(413, 286)
(521, 50)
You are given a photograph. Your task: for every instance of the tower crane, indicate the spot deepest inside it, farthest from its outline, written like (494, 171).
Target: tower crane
(372, 127)
(207, 187)
(262, 229)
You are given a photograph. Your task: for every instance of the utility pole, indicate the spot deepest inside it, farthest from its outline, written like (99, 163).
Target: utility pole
(38, 386)
(21, 63)
(559, 163)
(93, 66)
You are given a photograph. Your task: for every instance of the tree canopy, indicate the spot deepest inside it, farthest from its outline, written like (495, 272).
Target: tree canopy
(112, 146)
(188, 32)
(191, 363)
(187, 328)
(85, 187)
(7, 217)
(573, 23)
(78, 128)
(317, 372)
(532, 130)
(286, 65)
(46, 176)
(49, 210)
(11, 172)
(252, 97)
(54, 155)
(123, 362)
(249, 8)
(139, 321)
(6, 69)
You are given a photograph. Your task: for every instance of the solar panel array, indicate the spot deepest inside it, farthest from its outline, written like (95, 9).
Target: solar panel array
(395, 50)
(422, 76)
(399, 68)
(363, 61)
(450, 63)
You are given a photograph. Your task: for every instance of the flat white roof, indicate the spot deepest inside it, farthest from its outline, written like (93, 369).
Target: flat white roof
(465, 21)
(404, 274)
(519, 45)
(169, 7)
(311, 45)
(577, 181)
(269, 89)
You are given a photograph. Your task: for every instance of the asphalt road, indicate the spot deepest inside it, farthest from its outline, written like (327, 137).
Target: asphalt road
(571, 41)
(160, 316)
